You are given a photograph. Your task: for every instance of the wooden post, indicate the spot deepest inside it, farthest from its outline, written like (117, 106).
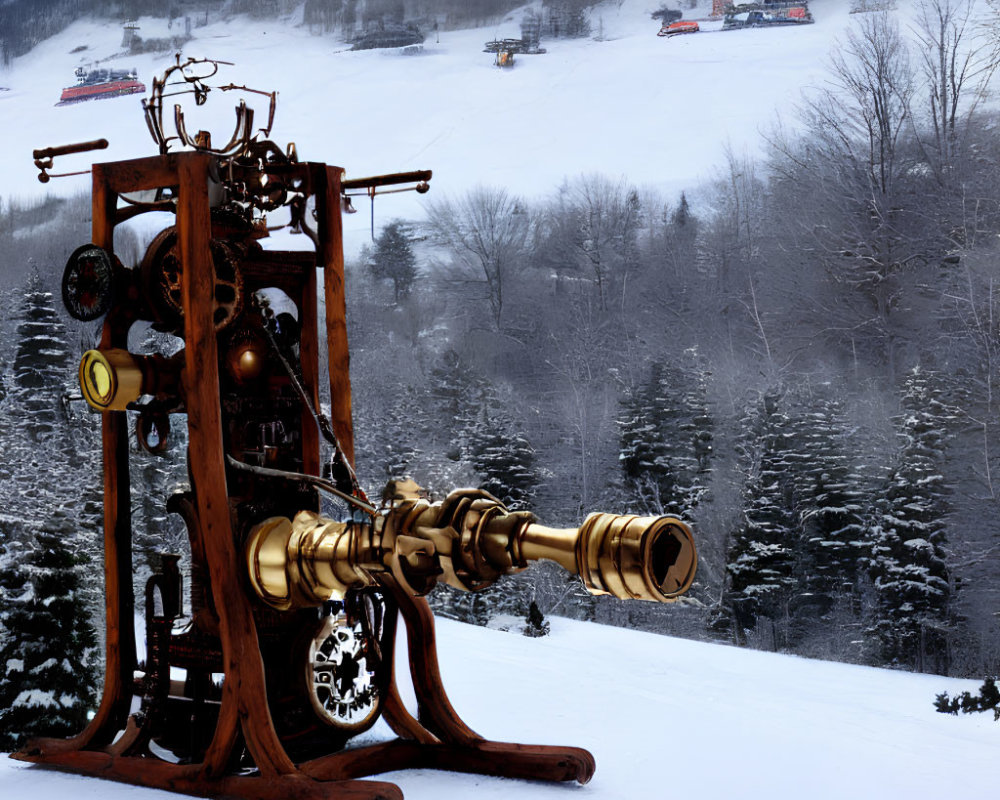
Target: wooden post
(330, 255)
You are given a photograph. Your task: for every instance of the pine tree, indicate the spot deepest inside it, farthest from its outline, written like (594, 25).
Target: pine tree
(48, 686)
(52, 449)
(502, 456)
(641, 447)
(453, 385)
(666, 439)
(41, 362)
(908, 561)
(37, 441)
(988, 699)
(397, 446)
(832, 505)
(393, 258)
(761, 563)
(535, 623)
(682, 214)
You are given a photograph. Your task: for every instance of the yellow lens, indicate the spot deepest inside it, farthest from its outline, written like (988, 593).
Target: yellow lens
(100, 381)
(110, 379)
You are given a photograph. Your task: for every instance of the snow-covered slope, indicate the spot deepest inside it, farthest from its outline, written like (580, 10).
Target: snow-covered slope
(672, 718)
(658, 111)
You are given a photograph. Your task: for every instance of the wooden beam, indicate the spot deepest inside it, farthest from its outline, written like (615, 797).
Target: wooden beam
(244, 692)
(330, 255)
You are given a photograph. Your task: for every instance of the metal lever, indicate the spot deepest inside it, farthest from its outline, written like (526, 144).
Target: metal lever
(43, 157)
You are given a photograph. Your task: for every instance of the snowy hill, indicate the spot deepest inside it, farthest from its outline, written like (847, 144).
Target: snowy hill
(658, 111)
(672, 718)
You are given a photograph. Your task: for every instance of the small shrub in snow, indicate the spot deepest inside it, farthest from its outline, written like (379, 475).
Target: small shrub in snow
(988, 699)
(535, 624)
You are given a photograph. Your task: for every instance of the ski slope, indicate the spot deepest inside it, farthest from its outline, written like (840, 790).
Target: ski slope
(672, 718)
(659, 111)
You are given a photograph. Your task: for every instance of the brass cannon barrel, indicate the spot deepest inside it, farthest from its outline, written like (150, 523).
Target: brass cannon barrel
(468, 541)
(633, 558)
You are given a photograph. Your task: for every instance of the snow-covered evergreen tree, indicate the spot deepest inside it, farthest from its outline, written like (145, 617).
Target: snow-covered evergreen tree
(48, 651)
(666, 439)
(393, 258)
(52, 463)
(908, 562)
(832, 505)
(761, 563)
(502, 456)
(398, 447)
(42, 363)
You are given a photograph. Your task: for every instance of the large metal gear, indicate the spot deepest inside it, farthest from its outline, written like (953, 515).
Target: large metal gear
(162, 274)
(341, 675)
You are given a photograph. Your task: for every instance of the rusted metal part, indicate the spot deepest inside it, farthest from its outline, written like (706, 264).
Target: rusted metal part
(418, 177)
(371, 186)
(44, 157)
(191, 77)
(312, 480)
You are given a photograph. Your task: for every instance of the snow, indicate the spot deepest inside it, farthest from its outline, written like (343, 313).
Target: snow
(671, 717)
(35, 698)
(660, 112)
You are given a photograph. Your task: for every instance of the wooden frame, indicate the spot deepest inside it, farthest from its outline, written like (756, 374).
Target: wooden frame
(114, 744)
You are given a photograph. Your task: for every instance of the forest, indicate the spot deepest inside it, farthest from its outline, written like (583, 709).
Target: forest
(802, 363)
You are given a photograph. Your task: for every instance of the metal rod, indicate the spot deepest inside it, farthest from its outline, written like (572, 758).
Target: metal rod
(67, 149)
(313, 480)
(371, 193)
(322, 423)
(419, 176)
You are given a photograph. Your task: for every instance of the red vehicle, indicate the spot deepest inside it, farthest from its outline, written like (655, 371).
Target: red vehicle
(681, 26)
(101, 83)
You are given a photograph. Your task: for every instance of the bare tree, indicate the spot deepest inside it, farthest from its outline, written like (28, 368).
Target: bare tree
(606, 215)
(872, 74)
(958, 59)
(853, 175)
(485, 233)
(732, 247)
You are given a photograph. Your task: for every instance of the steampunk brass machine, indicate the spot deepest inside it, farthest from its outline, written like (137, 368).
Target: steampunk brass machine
(286, 640)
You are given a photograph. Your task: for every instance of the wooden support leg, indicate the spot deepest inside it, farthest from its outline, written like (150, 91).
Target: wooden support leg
(443, 740)
(190, 779)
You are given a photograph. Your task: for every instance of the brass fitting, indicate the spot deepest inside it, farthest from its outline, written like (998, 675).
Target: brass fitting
(629, 557)
(110, 379)
(467, 541)
(307, 560)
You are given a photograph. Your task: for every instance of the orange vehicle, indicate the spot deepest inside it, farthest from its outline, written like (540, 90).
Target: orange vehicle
(681, 26)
